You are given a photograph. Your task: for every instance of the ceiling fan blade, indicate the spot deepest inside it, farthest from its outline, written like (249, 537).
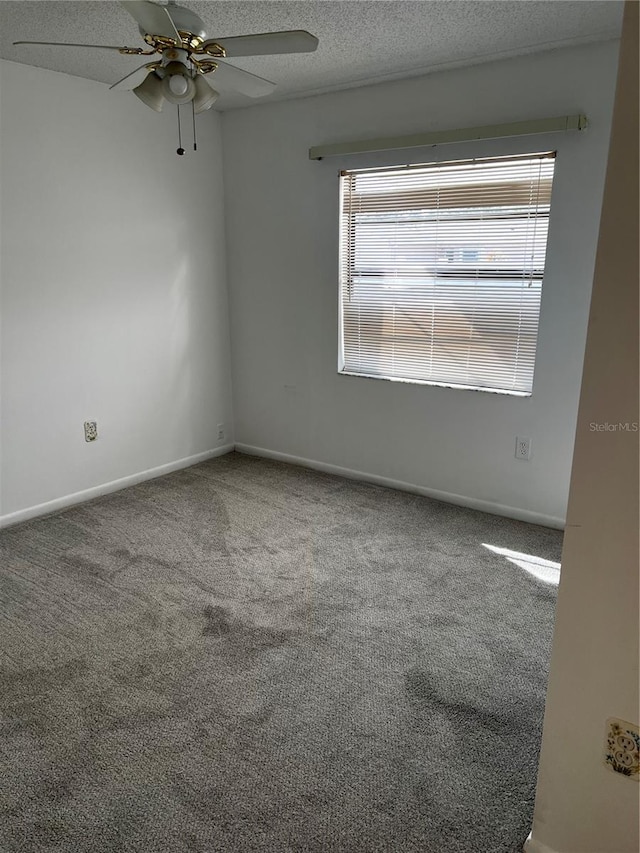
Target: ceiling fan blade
(131, 80)
(153, 19)
(263, 44)
(70, 44)
(231, 78)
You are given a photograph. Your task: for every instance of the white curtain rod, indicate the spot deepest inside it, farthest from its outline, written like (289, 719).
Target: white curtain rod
(465, 134)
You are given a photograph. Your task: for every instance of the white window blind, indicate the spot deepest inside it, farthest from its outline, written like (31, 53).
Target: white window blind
(441, 270)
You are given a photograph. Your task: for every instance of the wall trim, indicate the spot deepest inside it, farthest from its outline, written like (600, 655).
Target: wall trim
(106, 488)
(376, 480)
(531, 845)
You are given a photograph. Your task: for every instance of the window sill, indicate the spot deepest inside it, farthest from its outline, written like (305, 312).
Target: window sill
(451, 385)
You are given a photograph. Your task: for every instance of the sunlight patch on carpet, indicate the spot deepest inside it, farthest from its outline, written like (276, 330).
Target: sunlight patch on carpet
(543, 570)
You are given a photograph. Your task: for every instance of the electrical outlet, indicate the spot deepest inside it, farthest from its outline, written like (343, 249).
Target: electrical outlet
(220, 432)
(90, 430)
(523, 447)
(623, 745)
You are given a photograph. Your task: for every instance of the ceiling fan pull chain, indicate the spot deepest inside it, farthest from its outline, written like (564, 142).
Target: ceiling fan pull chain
(180, 149)
(193, 118)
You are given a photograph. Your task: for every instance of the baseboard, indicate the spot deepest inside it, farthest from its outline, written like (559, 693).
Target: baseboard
(533, 846)
(374, 479)
(448, 497)
(106, 488)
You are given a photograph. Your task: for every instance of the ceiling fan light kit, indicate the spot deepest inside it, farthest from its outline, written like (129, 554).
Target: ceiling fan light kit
(177, 83)
(150, 92)
(205, 97)
(181, 39)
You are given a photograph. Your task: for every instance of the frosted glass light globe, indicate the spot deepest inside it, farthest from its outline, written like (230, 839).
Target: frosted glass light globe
(178, 84)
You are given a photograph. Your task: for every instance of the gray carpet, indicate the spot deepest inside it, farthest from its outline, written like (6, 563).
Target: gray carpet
(250, 656)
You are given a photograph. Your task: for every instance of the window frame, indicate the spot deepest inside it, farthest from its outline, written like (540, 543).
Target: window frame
(381, 161)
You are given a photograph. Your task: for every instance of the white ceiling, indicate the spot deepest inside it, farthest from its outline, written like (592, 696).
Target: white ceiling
(360, 42)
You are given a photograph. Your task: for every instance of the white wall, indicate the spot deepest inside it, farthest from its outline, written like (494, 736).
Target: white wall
(581, 806)
(114, 303)
(282, 243)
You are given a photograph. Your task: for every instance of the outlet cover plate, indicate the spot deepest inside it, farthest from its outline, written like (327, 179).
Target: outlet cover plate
(622, 748)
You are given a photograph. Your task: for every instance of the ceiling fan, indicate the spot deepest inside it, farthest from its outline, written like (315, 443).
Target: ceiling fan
(186, 54)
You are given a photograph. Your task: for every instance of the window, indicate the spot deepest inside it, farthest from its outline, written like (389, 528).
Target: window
(441, 269)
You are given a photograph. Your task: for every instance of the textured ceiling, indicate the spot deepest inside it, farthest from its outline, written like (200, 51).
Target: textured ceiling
(360, 42)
